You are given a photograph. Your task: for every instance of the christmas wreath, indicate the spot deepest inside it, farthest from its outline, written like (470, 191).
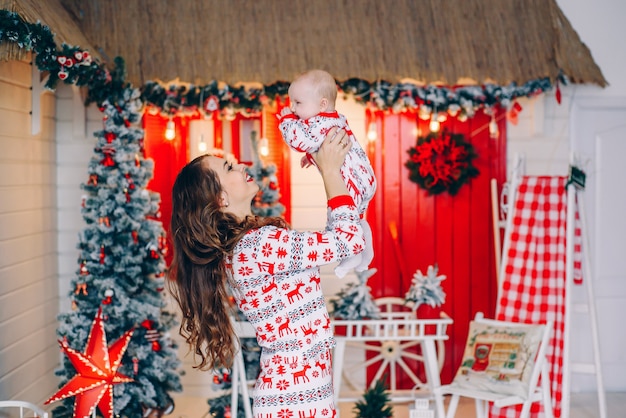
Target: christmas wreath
(441, 162)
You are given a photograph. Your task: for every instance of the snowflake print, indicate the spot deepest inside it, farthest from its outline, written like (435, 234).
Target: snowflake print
(281, 266)
(245, 271)
(328, 254)
(286, 238)
(285, 286)
(325, 412)
(277, 359)
(312, 256)
(284, 413)
(282, 384)
(353, 228)
(308, 289)
(267, 250)
(281, 252)
(357, 248)
(316, 373)
(279, 319)
(310, 241)
(267, 298)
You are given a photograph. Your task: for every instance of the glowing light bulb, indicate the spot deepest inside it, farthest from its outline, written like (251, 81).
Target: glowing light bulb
(170, 130)
(434, 125)
(493, 128)
(202, 147)
(264, 147)
(372, 134)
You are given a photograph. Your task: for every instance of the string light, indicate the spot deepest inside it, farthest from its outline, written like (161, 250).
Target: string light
(372, 133)
(264, 147)
(493, 127)
(170, 130)
(202, 147)
(434, 124)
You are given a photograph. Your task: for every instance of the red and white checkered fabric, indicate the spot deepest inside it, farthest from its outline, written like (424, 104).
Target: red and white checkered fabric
(533, 282)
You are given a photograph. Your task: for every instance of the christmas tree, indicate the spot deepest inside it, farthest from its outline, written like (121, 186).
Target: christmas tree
(355, 300)
(122, 271)
(266, 201)
(426, 289)
(375, 403)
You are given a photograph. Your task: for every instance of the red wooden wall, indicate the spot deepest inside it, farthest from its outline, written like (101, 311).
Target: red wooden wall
(454, 232)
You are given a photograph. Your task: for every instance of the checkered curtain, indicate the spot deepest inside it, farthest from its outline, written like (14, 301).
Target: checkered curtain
(533, 279)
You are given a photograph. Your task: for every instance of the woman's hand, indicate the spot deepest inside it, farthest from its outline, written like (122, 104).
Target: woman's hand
(329, 159)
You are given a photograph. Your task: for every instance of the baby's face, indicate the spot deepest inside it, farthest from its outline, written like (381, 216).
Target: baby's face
(305, 102)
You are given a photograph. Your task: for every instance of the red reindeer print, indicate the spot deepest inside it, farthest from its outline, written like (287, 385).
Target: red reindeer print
(316, 280)
(327, 326)
(311, 414)
(353, 188)
(301, 374)
(321, 238)
(272, 285)
(322, 367)
(284, 327)
(296, 292)
(266, 382)
(275, 235)
(266, 266)
(309, 330)
(348, 234)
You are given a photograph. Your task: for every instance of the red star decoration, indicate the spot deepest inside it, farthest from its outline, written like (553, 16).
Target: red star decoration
(96, 372)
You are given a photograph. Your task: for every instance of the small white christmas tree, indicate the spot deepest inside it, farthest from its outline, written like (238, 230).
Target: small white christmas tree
(426, 289)
(355, 300)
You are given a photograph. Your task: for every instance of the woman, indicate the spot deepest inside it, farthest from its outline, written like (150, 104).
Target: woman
(272, 271)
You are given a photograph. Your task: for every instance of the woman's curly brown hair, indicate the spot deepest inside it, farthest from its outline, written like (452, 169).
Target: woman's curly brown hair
(203, 239)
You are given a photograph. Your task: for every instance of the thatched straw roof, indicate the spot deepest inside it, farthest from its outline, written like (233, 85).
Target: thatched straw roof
(49, 13)
(428, 41)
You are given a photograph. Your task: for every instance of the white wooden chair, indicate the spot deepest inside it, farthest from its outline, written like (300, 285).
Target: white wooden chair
(24, 408)
(243, 329)
(537, 391)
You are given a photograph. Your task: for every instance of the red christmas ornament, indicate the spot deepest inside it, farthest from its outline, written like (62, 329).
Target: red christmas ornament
(127, 195)
(81, 288)
(156, 346)
(83, 268)
(135, 365)
(109, 136)
(135, 236)
(108, 161)
(96, 372)
(108, 297)
(152, 334)
(102, 254)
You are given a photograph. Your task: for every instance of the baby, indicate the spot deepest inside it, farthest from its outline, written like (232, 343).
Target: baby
(304, 127)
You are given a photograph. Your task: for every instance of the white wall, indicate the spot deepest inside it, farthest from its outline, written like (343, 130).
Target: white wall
(28, 259)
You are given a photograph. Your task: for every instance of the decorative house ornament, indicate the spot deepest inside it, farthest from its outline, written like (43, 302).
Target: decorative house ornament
(96, 372)
(441, 163)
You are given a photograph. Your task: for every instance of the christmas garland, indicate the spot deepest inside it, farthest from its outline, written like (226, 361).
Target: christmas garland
(73, 65)
(441, 162)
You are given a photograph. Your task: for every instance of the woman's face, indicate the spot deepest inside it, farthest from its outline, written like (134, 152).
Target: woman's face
(239, 187)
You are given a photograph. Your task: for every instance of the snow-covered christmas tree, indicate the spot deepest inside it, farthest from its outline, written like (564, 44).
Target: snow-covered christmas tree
(355, 300)
(426, 289)
(266, 202)
(121, 269)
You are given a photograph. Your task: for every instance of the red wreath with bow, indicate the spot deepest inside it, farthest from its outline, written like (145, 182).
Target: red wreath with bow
(441, 162)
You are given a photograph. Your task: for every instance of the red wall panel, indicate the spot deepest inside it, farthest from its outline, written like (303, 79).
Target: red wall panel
(454, 232)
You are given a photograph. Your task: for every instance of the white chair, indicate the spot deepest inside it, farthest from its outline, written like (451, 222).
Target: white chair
(239, 381)
(483, 390)
(24, 407)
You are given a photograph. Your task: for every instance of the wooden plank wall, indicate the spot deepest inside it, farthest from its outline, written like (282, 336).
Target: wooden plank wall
(29, 352)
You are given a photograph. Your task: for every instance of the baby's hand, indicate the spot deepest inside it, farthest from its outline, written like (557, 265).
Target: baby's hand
(305, 162)
(286, 111)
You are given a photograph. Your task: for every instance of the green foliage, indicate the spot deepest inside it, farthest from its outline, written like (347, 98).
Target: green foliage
(375, 403)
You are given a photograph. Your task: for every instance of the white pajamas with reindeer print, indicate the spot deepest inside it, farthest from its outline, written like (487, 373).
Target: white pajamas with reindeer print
(276, 271)
(357, 172)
